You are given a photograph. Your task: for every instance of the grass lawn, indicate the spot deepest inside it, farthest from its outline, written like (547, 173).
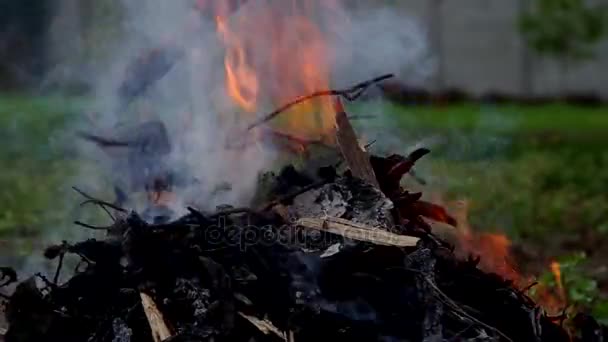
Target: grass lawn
(554, 117)
(534, 172)
(37, 166)
(530, 170)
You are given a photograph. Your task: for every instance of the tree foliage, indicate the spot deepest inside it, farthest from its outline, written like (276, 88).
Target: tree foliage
(564, 29)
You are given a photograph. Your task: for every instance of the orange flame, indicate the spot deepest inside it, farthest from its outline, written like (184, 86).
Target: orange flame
(241, 80)
(557, 273)
(276, 52)
(554, 301)
(494, 250)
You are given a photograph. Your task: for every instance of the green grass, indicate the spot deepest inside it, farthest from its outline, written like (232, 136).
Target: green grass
(530, 170)
(36, 168)
(554, 117)
(536, 173)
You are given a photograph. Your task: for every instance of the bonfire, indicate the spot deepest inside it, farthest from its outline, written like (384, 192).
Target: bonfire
(336, 252)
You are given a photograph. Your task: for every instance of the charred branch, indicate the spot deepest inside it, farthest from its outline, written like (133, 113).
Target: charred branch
(356, 158)
(349, 94)
(358, 232)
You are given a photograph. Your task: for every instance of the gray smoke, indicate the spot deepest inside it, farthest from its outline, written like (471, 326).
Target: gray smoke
(92, 43)
(363, 42)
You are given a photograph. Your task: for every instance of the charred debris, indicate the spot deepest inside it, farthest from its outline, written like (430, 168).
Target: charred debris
(345, 254)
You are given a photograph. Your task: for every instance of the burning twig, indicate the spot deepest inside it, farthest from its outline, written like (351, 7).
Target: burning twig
(103, 204)
(88, 226)
(265, 326)
(359, 232)
(160, 331)
(356, 158)
(350, 94)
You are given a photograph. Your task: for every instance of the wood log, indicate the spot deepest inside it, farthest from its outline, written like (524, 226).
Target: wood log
(356, 231)
(160, 331)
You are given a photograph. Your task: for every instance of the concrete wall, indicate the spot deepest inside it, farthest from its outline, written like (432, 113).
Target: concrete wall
(477, 41)
(481, 50)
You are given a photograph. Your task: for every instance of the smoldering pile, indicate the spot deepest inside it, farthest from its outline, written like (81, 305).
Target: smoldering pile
(326, 257)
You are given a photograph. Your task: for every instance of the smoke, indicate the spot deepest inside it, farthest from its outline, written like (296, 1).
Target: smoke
(381, 40)
(191, 98)
(94, 43)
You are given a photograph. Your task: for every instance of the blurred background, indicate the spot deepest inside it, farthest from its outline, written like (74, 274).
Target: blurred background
(511, 97)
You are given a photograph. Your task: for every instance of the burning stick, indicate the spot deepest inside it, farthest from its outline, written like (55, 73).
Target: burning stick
(160, 331)
(359, 232)
(356, 158)
(350, 94)
(265, 326)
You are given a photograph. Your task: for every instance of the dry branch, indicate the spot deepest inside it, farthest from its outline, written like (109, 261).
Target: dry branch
(356, 157)
(265, 326)
(356, 231)
(350, 94)
(160, 331)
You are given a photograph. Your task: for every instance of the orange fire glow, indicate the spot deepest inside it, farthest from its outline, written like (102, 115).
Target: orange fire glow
(553, 300)
(495, 253)
(276, 52)
(494, 250)
(241, 80)
(557, 273)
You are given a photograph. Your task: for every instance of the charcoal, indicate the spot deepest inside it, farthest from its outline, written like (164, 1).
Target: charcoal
(252, 275)
(121, 331)
(7, 276)
(348, 198)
